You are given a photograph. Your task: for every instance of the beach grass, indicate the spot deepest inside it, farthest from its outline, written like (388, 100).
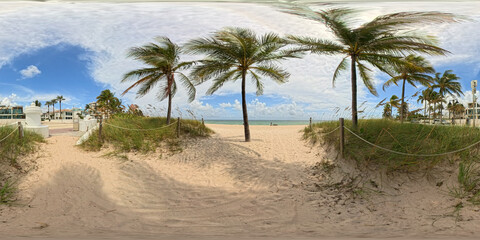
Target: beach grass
(13, 147)
(418, 139)
(144, 134)
(7, 192)
(407, 138)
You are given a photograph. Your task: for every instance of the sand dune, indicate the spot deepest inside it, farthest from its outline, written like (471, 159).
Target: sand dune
(220, 187)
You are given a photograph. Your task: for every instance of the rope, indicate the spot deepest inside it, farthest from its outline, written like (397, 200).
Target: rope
(411, 154)
(139, 129)
(330, 131)
(14, 130)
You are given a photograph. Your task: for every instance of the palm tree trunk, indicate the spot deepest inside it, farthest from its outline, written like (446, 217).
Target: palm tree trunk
(244, 109)
(403, 101)
(53, 111)
(425, 108)
(169, 111)
(354, 94)
(60, 109)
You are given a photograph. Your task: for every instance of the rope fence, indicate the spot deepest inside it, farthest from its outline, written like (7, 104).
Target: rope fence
(3, 139)
(140, 129)
(342, 143)
(411, 154)
(330, 131)
(178, 123)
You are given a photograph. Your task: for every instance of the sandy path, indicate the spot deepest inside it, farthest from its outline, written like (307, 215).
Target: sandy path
(219, 186)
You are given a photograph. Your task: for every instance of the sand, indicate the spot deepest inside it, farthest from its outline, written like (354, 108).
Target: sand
(224, 188)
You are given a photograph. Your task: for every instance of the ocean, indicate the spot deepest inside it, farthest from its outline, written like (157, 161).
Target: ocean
(260, 122)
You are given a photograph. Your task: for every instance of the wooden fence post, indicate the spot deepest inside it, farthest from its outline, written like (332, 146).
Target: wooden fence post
(342, 138)
(310, 122)
(178, 127)
(100, 130)
(203, 123)
(20, 130)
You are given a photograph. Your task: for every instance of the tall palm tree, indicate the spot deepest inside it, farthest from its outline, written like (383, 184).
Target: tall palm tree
(458, 109)
(379, 43)
(413, 70)
(60, 99)
(234, 53)
(53, 101)
(48, 104)
(163, 60)
(447, 84)
(106, 100)
(394, 102)
(436, 98)
(423, 98)
(387, 111)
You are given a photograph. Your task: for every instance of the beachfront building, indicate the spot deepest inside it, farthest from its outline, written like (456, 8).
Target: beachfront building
(470, 112)
(11, 112)
(67, 114)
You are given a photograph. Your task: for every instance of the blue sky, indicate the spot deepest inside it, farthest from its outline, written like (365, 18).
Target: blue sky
(77, 50)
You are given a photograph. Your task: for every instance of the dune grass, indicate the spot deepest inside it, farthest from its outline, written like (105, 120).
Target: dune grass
(144, 141)
(407, 138)
(11, 149)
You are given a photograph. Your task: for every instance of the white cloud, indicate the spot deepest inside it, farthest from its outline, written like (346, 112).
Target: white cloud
(30, 26)
(9, 101)
(29, 72)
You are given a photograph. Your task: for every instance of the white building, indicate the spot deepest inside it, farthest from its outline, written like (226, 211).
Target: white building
(67, 114)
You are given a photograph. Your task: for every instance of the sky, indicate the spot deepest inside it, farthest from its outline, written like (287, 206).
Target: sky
(77, 49)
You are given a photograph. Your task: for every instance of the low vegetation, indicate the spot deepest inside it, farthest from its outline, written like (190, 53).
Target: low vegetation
(144, 141)
(419, 139)
(11, 149)
(407, 138)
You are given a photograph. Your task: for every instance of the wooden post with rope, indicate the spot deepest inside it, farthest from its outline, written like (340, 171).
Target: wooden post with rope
(20, 130)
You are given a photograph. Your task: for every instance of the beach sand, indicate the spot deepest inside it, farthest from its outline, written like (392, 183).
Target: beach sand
(224, 188)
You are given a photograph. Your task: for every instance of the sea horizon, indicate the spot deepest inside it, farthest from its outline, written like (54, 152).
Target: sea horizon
(262, 122)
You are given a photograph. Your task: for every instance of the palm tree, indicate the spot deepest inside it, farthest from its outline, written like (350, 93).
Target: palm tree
(53, 101)
(163, 60)
(447, 84)
(48, 104)
(412, 71)
(394, 102)
(104, 101)
(380, 42)
(234, 53)
(387, 111)
(60, 99)
(424, 98)
(458, 108)
(436, 98)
